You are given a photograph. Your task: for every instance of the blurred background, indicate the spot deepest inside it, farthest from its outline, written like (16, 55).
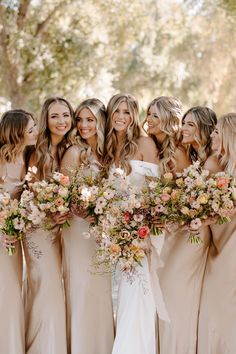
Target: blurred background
(84, 48)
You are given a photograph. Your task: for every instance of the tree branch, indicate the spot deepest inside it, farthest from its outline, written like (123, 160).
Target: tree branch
(22, 12)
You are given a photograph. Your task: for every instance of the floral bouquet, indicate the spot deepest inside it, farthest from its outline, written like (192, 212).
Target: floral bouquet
(162, 196)
(16, 219)
(123, 228)
(201, 198)
(51, 197)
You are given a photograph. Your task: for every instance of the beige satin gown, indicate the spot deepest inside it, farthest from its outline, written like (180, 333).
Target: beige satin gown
(217, 319)
(45, 314)
(12, 334)
(181, 282)
(88, 296)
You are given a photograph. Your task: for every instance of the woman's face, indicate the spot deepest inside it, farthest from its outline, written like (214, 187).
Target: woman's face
(121, 118)
(59, 119)
(215, 139)
(153, 121)
(86, 124)
(31, 133)
(189, 130)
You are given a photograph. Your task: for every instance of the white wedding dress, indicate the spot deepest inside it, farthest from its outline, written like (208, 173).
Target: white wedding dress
(140, 301)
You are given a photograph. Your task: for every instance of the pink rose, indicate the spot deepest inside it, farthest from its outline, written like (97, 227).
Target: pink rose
(222, 182)
(143, 232)
(127, 216)
(64, 180)
(165, 197)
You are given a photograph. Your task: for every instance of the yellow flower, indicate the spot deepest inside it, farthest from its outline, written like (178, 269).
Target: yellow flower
(185, 211)
(168, 176)
(179, 182)
(203, 198)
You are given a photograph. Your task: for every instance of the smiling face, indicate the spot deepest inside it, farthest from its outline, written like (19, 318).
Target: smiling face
(215, 139)
(31, 133)
(189, 130)
(121, 118)
(86, 124)
(59, 120)
(153, 121)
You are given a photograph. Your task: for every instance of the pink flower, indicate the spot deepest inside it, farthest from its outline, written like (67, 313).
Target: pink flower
(222, 182)
(126, 216)
(143, 232)
(159, 208)
(195, 224)
(165, 197)
(64, 180)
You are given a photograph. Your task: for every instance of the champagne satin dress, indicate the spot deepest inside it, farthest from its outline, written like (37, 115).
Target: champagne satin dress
(181, 283)
(45, 314)
(90, 326)
(217, 319)
(12, 334)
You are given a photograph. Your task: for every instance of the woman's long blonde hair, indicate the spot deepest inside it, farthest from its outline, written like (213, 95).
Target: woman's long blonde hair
(170, 114)
(226, 153)
(205, 119)
(98, 110)
(43, 158)
(133, 132)
(13, 126)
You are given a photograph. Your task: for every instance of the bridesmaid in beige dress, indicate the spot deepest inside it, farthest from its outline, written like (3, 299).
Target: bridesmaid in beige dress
(217, 319)
(88, 296)
(17, 130)
(45, 305)
(184, 263)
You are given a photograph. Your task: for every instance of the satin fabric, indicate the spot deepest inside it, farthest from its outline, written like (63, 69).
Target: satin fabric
(217, 319)
(12, 333)
(90, 328)
(140, 300)
(181, 281)
(44, 295)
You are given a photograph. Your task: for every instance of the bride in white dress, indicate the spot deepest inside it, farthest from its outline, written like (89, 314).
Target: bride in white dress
(141, 300)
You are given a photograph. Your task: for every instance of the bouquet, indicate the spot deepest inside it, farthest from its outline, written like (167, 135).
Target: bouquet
(51, 196)
(16, 219)
(123, 228)
(202, 197)
(162, 197)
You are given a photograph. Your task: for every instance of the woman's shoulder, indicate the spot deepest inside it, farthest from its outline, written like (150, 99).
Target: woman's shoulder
(212, 164)
(147, 149)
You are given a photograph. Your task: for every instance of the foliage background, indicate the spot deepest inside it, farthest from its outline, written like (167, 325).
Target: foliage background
(84, 48)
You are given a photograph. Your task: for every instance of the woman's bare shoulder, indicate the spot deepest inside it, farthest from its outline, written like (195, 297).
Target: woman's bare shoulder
(212, 164)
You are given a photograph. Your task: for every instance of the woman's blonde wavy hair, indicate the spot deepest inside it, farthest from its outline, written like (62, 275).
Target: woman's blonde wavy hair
(169, 113)
(98, 110)
(226, 152)
(43, 158)
(13, 126)
(205, 119)
(133, 132)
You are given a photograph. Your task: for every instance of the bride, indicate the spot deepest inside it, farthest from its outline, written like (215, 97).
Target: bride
(141, 300)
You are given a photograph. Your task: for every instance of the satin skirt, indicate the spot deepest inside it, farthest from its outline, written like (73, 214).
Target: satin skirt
(44, 295)
(12, 334)
(90, 327)
(181, 281)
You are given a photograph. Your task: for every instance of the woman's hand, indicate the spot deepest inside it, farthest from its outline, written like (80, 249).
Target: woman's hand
(60, 219)
(82, 213)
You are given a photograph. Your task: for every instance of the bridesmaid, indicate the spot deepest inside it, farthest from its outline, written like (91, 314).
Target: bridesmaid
(217, 319)
(45, 306)
(88, 296)
(17, 130)
(184, 263)
(139, 301)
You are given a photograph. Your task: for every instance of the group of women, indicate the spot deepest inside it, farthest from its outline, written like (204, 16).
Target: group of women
(183, 298)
